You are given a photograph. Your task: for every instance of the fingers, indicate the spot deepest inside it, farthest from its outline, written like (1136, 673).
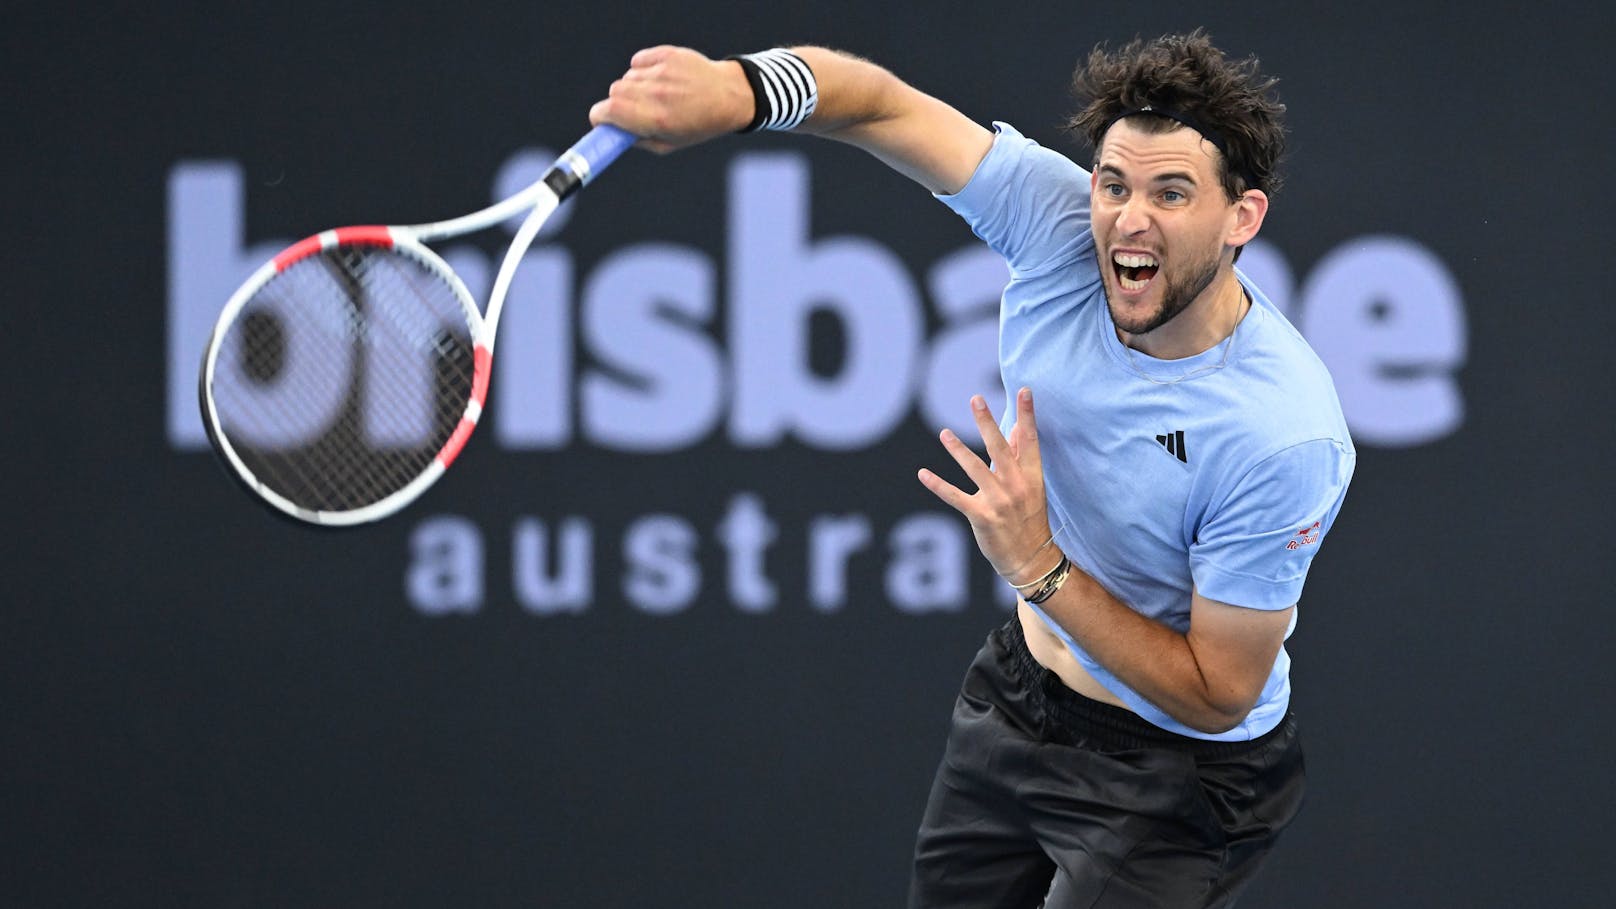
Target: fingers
(951, 495)
(607, 111)
(992, 439)
(651, 56)
(1024, 415)
(973, 466)
(1008, 510)
(1018, 455)
(622, 107)
(619, 107)
(1024, 435)
(674, 97)
(957, 498)
(1026, 432)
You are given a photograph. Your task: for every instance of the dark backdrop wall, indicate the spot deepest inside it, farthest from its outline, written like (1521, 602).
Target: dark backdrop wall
(681, 629)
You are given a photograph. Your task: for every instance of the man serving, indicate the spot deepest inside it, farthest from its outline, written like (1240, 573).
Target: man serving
(1125, 739)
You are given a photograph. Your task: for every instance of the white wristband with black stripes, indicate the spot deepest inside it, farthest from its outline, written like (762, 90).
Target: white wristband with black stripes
(783, 89)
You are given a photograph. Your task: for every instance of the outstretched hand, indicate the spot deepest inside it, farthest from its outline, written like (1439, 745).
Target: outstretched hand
(1008, 510)
(674, 97)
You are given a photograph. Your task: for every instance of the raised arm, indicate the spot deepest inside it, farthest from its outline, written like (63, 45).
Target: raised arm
(675, 97)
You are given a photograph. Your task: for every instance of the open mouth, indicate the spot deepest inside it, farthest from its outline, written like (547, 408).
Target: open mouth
(1134, 270)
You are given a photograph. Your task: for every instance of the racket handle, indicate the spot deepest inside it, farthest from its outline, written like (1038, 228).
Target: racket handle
(597, 150)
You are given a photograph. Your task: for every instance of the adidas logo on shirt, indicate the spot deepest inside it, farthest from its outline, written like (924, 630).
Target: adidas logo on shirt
(1174, 443)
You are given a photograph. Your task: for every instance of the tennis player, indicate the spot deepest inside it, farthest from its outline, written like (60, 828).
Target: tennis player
(1125, 739)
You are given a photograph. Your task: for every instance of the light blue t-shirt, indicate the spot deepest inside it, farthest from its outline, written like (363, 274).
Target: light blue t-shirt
(1219, 472)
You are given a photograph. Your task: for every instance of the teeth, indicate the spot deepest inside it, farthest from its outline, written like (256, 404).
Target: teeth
(1131, 285)
(1134, 260)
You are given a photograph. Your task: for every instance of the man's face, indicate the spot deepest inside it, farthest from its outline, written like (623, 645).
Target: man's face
(1160, 218)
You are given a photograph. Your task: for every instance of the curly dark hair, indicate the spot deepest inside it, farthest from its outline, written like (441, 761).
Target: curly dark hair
(1187, 75)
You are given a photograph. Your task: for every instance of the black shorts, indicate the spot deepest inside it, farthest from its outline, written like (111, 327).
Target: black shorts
(1044, 794)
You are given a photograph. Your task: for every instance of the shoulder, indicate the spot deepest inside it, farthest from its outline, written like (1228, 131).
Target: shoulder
(1285, 394)
(1014, 157)
(1029, 203)
(1272, 423)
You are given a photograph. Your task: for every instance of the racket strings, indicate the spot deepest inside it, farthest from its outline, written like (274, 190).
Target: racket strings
(344, 376)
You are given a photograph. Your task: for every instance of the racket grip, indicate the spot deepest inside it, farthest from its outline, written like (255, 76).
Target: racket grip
(597, 150)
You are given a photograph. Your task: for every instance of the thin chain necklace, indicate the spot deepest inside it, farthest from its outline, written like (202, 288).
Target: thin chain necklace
(1228, 345)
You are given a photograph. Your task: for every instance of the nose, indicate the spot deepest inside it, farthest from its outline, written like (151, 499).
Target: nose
(1132, 219)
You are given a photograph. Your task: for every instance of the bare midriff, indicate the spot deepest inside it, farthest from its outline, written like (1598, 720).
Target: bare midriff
(1051, 653)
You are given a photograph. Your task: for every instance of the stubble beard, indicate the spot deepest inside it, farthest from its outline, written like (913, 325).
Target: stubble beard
(1178, 292)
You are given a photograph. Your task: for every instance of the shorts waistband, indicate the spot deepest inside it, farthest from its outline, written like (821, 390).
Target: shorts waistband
(1075, 716)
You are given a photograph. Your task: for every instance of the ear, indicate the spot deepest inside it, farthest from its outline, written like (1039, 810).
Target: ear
(1247, 218)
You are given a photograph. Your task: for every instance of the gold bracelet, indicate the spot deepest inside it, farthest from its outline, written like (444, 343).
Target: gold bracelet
(1056, 579)
(1041, 578)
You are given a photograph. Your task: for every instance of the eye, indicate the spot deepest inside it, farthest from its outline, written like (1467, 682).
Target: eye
(1114, 190)
(1172, 195)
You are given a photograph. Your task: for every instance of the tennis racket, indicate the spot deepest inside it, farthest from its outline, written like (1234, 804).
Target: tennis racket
(347, 373)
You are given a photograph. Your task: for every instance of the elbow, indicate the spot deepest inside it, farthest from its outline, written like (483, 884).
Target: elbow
(1214, 724)
(1215, 717)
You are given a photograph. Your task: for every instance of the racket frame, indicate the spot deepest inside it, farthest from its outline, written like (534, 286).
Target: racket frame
(573, 170)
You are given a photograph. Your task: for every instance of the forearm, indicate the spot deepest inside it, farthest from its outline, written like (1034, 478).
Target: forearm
(673, 97)
(910, 131)
(1153, 659)
(1209, 690)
